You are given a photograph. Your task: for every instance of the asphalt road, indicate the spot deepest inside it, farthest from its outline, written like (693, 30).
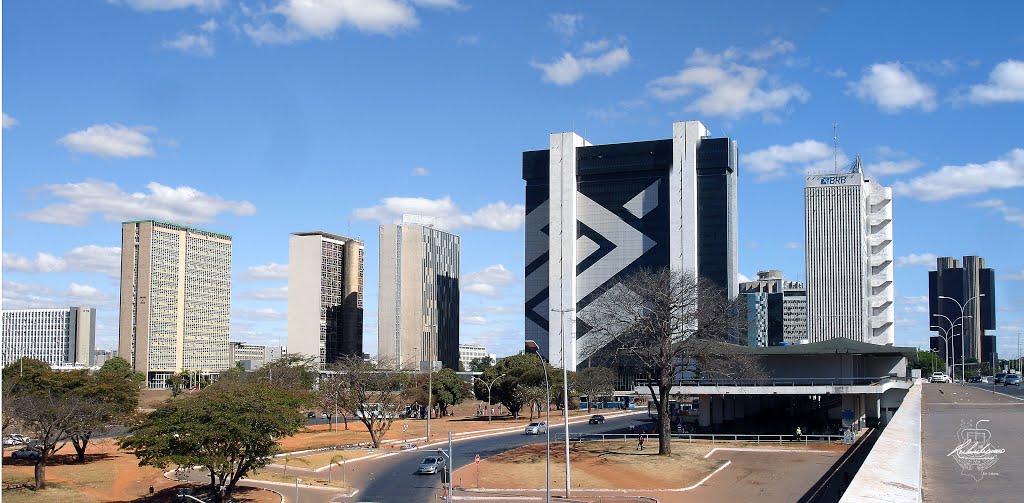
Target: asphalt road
(1016, 391)
(393, 478)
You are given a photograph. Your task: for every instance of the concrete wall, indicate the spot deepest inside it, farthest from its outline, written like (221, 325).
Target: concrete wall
(835, 365)
(892, 470)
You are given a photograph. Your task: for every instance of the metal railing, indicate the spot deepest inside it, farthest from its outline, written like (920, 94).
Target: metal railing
(706, 437)
(781, 381)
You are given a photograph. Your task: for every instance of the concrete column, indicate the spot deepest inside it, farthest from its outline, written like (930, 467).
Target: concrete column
(719, 409)
(729, 408)
(740, 407)
(704, 410)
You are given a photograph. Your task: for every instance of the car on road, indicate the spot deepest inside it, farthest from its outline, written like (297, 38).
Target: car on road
(431, 465)
(999, 378)
(596, 419)
(536, 428)
(25, 453)
(1011, 380)
(939, 377)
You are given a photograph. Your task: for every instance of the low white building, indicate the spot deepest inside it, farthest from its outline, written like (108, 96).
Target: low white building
(253, 356)
(58, 337)
(468, 352)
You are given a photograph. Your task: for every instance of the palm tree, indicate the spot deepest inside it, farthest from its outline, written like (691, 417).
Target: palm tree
(334, 461)
(288, 458)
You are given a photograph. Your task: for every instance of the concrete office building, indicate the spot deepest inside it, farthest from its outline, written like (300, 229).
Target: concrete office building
(848, 230)
(253, 356)
(776, 310)
(596, 213)
(325, 296)
(175, 299)
(469, 352)
(962, 283)
(418, 303)
(59, 337)
(101, 356)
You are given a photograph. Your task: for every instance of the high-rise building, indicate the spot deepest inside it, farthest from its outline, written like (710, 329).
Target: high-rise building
(972, 287)
(596, 213)
(776, 310)
(469, 352)
(848, 230)
(59, 337)
(418, 303)
(175, 299)
(325, 296)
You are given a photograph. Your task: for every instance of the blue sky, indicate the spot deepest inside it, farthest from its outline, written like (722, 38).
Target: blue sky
(262, 118)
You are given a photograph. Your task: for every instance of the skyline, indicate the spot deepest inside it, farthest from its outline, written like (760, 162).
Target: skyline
(260, 121)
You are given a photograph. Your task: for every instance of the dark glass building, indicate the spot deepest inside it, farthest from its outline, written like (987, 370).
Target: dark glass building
(961, 304)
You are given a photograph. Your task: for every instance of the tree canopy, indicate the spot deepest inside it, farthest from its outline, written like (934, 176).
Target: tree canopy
(230, 428)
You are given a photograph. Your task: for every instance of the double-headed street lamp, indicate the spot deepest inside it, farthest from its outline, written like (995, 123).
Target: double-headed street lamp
(946, 336)
(959, 322)
(963, 308)
(532, 347)
(489, 384)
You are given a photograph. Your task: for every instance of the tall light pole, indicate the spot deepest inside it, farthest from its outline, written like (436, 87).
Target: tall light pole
(547, 426)
(963, 308)
(431, 350)
(945, 335)
(952, 324)
(565, 391)
(489, 392)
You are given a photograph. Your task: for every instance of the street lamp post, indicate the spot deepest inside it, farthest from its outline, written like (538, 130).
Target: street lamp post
(952, 324)
(489, 392)
(297, 490)
(946, 336)
(565, 391)
(431, 349)
(547, 426)
(963, 308)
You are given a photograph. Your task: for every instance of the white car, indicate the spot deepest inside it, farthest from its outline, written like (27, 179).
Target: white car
(940, 377)
(536, 428)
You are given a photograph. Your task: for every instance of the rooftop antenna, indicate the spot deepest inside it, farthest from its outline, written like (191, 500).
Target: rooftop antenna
(835, 146)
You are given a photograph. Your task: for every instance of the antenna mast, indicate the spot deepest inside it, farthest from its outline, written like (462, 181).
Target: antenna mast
(835, 147)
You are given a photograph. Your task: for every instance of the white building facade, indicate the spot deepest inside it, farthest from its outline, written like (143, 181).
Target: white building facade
(848, 231)
(469, 352)
(175, 311)
(418, 303)
(59, 337)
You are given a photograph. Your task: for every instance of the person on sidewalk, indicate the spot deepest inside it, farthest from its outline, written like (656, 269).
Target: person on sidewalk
(640, 443)
(799, 434)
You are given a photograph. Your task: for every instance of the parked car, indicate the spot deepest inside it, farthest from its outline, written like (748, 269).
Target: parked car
(597, 419)
(25, 453)
(940, 377)
(431, 465)
(976, 379)
(536, 428)
(9, 441)
(1011, 380)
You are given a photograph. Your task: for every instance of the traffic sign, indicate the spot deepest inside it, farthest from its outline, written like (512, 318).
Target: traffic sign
(477, 459)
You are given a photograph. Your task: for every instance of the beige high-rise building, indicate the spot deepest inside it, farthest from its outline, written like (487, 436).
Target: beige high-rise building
(418, 302)
(175, 299)
(325, 296)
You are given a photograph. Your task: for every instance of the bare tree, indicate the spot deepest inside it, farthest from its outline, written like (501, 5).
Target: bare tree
(372, 393)
(662, 323)
(594, 382)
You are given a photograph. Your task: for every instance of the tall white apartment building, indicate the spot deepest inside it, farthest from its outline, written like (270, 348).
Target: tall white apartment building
(175, 299)
(848, 229)
(59, 337)
(325, 296)
(418, 303)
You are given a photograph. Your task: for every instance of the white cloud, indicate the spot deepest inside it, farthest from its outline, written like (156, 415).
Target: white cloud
(261, 314)
(85, 294)
(439, 4)
(488, 281)
(917, 260)
(110, 140)
(915, 300)
(188, 43)
(743, 278)
(954, 181)
(498, 216)
(793, 245)
(273, 270)
(838, 73)
(1012, 276)
(474, 320)
(565, 24)
(1005, 84)
(280, 293)
(303, 19)
(723, 86)
(166, 5)
(893, 167)
(592, 46)
(808, 156)
(9, 122)
(28, 296)
(420, 171)
(209, 26)
(89, 258)
(568, 69)
(181, 204)
(1011, 214)
(893, 88)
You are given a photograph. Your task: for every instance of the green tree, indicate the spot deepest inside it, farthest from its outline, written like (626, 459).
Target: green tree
(449, 389)
(112, 394)
(295, 372)
(230, 428)
(520, 370)
(929, 362)
(371, 393)
(480, 364)
(594, 382)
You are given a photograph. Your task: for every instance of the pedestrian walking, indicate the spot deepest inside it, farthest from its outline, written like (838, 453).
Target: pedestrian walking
(799, 433)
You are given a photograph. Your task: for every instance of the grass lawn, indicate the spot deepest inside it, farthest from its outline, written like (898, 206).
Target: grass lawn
(54, 492)
(320, 480)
